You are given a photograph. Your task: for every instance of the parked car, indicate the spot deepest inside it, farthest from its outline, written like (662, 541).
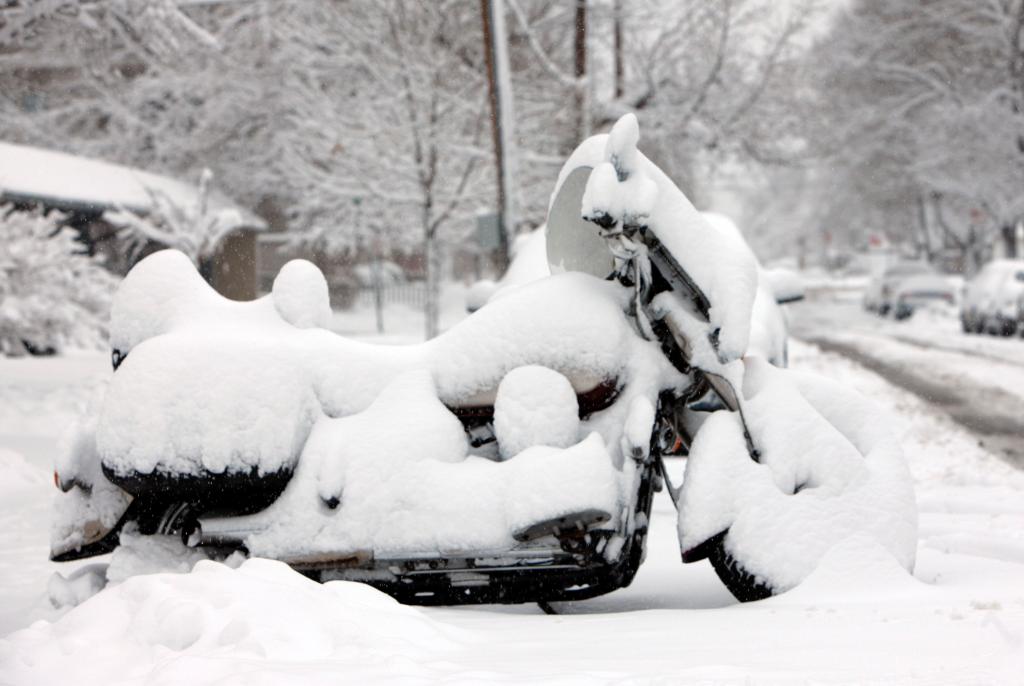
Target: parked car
(1020, 315)
(920, 291)
(880, 291)
(991, 299)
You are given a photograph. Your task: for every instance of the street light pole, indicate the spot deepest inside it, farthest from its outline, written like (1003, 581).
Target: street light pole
(500, 95)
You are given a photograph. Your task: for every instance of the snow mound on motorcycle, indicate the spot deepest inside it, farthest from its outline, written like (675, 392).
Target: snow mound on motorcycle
(367, 432)
(536, 406)
(187, 623)
(845, 478)
(301, 295)
(186, 403)
(422, 492)
(208, 384)
(627, 187)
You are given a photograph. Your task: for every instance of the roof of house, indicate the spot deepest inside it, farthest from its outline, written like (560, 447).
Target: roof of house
(72, 183)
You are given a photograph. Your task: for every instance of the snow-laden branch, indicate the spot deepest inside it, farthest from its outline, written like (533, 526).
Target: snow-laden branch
(194, 228)
(538, 50)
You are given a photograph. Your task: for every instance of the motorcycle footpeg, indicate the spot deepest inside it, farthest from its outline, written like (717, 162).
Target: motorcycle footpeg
(565, 526)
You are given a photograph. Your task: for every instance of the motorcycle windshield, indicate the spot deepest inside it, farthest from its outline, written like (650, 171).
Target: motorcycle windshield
(573, 243)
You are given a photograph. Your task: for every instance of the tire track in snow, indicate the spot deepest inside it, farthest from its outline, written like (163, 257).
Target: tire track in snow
(995, 416)
(980, 354)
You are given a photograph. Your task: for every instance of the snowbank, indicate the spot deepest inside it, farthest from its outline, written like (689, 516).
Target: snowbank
(858, 570)
(179, 628)
(17, 473)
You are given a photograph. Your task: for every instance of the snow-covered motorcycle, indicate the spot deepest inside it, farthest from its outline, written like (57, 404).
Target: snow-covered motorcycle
(513, 458)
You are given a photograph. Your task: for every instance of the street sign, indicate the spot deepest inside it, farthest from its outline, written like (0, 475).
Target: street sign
(488, 231)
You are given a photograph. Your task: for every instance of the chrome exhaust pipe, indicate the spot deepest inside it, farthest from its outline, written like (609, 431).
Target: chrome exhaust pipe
(223, 532)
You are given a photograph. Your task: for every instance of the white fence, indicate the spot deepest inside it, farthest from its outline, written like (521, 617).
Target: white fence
(413, 294)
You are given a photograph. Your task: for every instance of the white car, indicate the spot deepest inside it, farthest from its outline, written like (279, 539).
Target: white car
(922, 291)
(879, 294)
(992, 299)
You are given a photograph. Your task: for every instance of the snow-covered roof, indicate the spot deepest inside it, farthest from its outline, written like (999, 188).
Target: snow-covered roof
(70, 182)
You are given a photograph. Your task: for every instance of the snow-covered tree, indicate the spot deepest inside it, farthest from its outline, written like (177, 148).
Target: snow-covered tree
(923, 107)
(712, 82)
(420, 140)
(384, 130)
(192, 225)
(159, 26)
(318, 105)
(368, 120)
(153, 84)
(51, 293)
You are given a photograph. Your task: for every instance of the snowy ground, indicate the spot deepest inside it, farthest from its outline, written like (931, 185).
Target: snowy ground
(976, 379)
(959, 620)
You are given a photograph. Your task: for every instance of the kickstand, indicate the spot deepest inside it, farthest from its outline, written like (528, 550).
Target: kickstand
(546, 607)
(673, 491)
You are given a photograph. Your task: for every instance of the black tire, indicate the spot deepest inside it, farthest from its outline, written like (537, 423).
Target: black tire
(743, 585)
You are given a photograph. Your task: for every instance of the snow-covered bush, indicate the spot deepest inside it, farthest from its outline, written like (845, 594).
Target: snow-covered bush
(193, 225)
(52, 294)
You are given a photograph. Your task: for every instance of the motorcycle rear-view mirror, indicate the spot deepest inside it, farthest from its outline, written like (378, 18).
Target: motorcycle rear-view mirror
(573, 243)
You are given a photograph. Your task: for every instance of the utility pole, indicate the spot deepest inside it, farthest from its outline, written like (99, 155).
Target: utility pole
(500, 95)
(617, 37)
(580, 71)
